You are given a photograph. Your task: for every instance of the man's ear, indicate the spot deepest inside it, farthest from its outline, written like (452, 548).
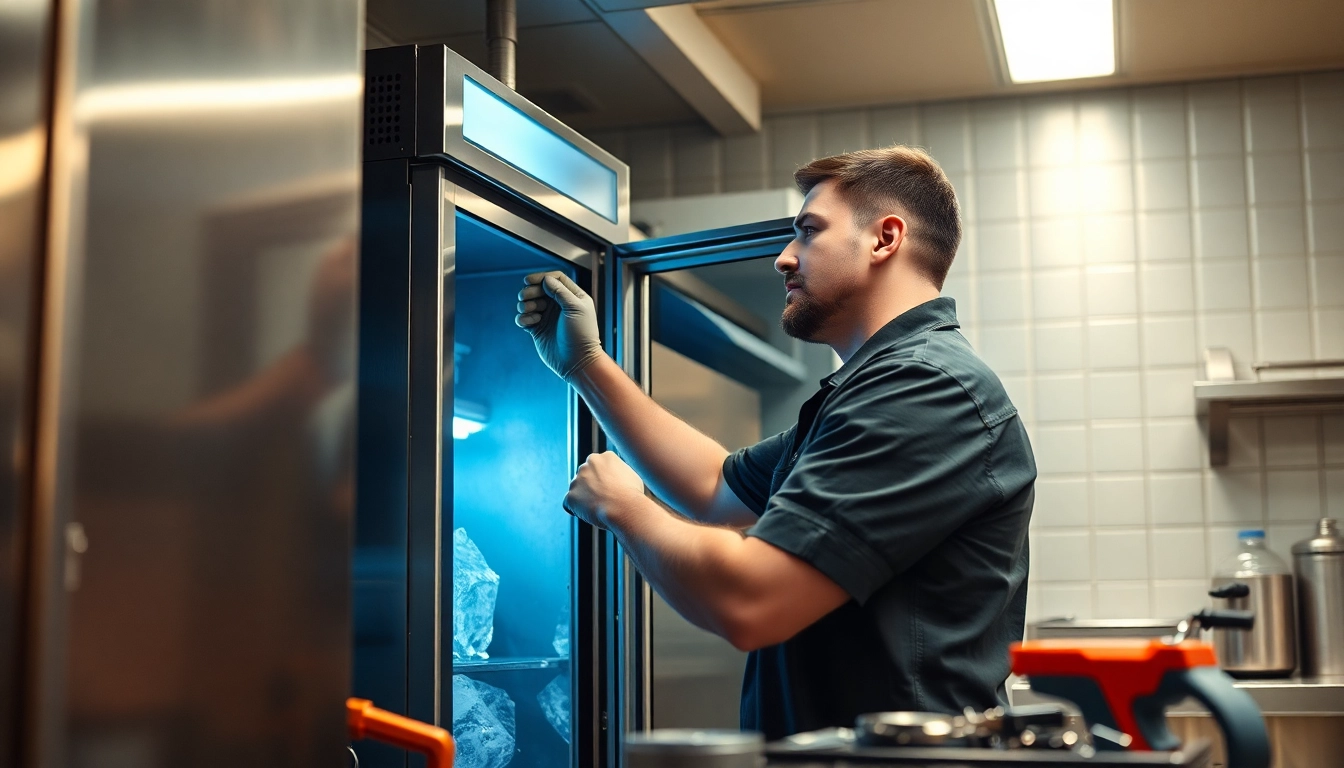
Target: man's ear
(891, 233)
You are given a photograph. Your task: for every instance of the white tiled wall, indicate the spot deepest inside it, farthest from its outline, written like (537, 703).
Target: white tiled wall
(1110, 237)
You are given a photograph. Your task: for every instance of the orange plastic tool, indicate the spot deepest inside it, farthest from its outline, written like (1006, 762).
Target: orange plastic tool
(1124, 669)
(365, 721)
(1127, 684)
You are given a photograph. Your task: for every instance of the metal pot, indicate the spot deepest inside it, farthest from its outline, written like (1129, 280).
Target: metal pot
(901, 729)
(1268, 649)
(690, 748)
(1319, 564)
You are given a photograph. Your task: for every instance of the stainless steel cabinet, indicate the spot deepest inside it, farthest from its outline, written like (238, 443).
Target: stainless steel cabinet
(177, 386)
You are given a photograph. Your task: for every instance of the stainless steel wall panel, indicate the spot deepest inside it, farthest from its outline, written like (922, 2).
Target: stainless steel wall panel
(206, 213)
(25, 84)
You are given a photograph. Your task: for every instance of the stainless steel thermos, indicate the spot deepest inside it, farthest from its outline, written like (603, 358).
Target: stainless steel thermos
(1319, 563)
(1256, 580)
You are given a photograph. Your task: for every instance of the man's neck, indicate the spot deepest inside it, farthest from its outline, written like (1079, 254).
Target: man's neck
(880, 313)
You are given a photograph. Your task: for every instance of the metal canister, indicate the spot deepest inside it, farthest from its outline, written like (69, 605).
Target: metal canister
(1319, 564)
(688, 748)
(1269, 649)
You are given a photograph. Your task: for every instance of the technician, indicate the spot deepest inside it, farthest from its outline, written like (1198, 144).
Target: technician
(874, 556)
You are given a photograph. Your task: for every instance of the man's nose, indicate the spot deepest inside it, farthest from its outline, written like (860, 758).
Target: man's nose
(786, 262)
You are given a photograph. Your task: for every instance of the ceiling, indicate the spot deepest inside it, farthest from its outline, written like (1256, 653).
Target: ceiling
(564, 52)
(910, 50)
(807, 54)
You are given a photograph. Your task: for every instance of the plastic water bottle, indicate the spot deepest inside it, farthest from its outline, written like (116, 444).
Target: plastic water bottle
(1253, 557)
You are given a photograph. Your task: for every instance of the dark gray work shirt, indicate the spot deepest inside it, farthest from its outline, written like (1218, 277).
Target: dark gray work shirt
(908, 481)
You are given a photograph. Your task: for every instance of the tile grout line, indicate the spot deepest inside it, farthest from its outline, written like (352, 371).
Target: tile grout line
(1149, 535)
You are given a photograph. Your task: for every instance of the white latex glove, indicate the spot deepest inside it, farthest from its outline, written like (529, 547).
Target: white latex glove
(562, 320)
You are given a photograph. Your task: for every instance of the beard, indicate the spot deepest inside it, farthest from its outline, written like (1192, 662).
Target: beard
(805, 316)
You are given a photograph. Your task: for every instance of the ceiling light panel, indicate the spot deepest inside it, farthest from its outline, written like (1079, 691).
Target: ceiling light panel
(1057, 39)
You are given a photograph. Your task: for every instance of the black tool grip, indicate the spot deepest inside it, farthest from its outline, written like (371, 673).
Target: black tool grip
(1235, 589)
(1235, 711)
(1226, 619)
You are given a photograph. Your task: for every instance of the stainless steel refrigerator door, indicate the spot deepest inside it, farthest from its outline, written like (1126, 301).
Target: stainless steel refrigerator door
(629, 304)
(194, 475)
(25, 85)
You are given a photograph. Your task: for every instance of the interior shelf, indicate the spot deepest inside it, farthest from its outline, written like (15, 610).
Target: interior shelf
(685, 325)
(1219, 401)
(510, 664)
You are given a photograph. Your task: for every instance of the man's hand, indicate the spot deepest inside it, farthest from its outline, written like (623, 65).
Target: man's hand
(604, 486)
(562, 321)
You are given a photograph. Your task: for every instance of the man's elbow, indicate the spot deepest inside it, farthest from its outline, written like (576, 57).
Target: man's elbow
(747, 632)
(746, 640)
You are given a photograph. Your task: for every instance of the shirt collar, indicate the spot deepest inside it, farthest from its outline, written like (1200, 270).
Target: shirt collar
(936, 313)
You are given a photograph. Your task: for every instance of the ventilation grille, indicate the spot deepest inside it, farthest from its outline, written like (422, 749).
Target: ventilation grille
(389, 102)
(385, 119)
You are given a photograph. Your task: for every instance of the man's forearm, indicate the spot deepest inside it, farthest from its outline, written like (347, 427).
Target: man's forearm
(689, 565)
(741, 588)
(681, 464)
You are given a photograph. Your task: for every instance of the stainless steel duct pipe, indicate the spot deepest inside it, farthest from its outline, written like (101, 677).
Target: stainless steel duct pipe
(501, 31)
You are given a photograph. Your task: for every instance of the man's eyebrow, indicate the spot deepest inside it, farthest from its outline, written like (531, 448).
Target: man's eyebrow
(802, 217)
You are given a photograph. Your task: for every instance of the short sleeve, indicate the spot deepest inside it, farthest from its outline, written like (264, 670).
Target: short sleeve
(897, 463)
(749, 471)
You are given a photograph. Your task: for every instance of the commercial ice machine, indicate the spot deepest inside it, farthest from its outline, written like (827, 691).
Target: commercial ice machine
(479, 604)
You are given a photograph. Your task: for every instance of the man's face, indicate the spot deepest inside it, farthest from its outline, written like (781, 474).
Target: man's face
(823, 267)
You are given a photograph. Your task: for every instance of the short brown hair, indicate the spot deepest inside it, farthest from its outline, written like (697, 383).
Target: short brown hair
(874, 179)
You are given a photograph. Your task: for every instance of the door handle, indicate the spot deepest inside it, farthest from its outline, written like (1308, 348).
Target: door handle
(365, 721)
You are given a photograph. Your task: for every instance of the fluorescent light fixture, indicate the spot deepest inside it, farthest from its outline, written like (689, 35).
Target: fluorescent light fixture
(1057, 39)
(468, 418)
(464, 428)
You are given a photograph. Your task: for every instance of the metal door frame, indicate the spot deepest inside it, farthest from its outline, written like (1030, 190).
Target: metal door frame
(629, 339)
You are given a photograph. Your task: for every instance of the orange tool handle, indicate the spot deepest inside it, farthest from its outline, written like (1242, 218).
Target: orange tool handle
(365, 721)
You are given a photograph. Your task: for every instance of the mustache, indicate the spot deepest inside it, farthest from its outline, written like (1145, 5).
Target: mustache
(794, 279)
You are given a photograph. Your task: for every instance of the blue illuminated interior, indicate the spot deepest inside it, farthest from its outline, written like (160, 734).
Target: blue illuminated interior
(508, 479)
(509, 134)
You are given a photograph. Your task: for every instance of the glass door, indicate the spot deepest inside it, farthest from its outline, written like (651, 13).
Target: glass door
(512, 426)
(474, 589)
(676, 313)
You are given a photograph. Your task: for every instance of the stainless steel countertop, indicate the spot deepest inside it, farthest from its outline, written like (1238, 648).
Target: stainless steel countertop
(1286, 697)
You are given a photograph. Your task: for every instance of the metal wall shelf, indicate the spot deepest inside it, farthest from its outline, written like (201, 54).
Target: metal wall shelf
(1219, 401)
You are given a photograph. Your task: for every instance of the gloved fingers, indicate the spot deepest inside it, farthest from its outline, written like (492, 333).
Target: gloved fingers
(531, 292)
(528, 320)
(552, 282)
(570, 284)
(533, 305)
(537, 278)
(562, 293)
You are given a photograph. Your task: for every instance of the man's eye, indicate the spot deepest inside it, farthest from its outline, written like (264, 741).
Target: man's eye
(807, 231)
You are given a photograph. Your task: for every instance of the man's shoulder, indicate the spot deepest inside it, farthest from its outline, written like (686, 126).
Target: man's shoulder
(943, 356)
